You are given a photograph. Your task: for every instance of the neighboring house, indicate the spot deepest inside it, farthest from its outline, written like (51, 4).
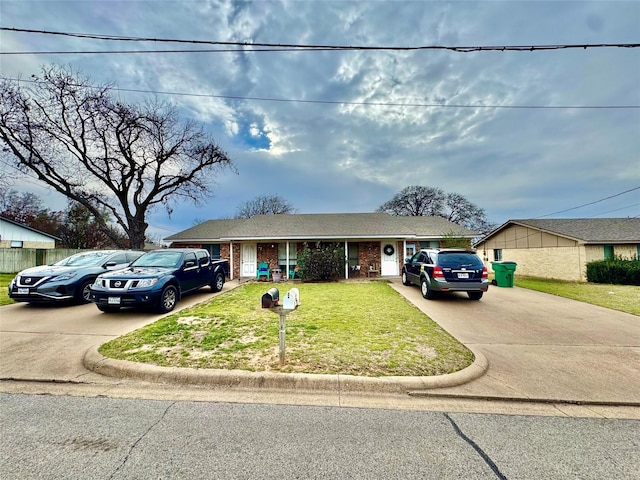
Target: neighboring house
(375, 243)
(561, 248)
(17, 235)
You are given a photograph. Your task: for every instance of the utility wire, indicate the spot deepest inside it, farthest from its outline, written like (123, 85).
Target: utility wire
(616, 210)
(587, 204)
(344, 102)
(287, 47)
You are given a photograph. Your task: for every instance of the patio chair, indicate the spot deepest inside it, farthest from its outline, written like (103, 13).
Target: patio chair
(263, 271)
(374, 268)
(292, 272)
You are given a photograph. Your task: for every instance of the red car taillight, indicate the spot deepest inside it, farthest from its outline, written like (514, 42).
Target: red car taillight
(438, 273)
(485, 274)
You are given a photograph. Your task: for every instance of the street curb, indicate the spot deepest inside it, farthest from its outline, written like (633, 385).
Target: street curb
(541, 400)
(110, 367)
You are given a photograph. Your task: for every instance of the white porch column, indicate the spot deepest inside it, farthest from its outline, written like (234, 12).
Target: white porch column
(346, 259)
(287, 262)
(230, 260)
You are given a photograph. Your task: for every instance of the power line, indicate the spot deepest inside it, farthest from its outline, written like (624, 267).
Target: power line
(344, 102)
(249, 46)
(616, 210)
(590, 203)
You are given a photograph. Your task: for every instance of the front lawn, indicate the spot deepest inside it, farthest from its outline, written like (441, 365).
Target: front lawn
(363, 328)
(625, 298)
(5, 278)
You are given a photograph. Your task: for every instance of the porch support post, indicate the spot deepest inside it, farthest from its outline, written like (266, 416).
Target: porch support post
(288, 267)
(230, 260)
(346, 259)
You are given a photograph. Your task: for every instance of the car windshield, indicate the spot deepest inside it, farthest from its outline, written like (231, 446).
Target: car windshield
(457, 260)
(158, 259)
(84, 259)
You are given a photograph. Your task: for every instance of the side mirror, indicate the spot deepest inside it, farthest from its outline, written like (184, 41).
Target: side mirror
(271, 298)
(189, 264)
(109, 264)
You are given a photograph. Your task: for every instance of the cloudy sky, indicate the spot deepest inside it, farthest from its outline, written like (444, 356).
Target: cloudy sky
(515, 132)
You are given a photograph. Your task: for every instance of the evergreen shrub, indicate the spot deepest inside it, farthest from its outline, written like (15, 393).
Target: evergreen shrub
(618, 271)
(321, 262)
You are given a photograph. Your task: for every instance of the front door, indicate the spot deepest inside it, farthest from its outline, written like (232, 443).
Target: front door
(389, 264)
(249, 259)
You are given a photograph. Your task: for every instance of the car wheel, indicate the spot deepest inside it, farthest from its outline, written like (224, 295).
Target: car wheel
(218, 282)
(168, 299)
(405, 280)
(107, 308)
(475, 295)
(83, 293)
(426, 290)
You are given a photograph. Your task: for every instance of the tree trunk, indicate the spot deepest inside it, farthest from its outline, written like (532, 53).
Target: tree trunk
(137, 229)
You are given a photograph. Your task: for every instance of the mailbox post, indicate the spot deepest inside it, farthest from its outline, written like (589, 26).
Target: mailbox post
(271, 300)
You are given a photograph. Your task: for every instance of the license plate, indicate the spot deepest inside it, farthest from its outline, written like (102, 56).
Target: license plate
(23, 291)
(113, 301)
(463, 275)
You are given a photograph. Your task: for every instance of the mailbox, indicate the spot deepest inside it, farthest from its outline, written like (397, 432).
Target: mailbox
(271, 298)
(291, 300)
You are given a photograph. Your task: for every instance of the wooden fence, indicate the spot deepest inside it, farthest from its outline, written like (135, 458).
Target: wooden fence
(13, 260)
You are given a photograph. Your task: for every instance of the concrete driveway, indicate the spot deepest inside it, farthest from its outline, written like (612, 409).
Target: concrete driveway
(48, 343)
(540, 346)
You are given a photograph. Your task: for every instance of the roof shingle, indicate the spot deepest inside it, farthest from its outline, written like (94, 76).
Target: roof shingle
(322, 226)
(590, 230)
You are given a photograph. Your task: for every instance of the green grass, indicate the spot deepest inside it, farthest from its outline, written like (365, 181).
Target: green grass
(625, 298)
(5, 278)
(349, 328)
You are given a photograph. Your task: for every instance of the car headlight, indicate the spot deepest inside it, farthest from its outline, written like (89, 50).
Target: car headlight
(64, 276)
(144, 283)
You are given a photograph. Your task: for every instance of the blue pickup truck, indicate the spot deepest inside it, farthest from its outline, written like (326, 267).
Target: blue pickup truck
(158, 279)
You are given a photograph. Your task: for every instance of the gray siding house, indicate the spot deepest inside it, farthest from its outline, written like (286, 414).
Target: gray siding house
(375, 243)
(16, 235)
(561, 248)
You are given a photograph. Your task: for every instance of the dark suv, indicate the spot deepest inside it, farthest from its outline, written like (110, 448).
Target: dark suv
(69, 279)
(446, 270)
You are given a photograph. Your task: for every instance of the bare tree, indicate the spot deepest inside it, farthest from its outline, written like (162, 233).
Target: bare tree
(104, 154)
(21, 207)
(461, 211)
(429, 201)
(415, 201)
(264, 205)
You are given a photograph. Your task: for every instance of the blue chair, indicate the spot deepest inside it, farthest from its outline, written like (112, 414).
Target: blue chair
(292, 272)
(263, 271)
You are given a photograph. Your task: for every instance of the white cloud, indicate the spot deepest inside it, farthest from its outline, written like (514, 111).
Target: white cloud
(353, 157)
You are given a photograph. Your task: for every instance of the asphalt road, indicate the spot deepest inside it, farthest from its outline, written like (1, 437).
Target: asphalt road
(66, 437)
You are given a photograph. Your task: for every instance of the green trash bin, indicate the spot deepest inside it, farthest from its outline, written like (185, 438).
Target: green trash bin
(504, 273)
